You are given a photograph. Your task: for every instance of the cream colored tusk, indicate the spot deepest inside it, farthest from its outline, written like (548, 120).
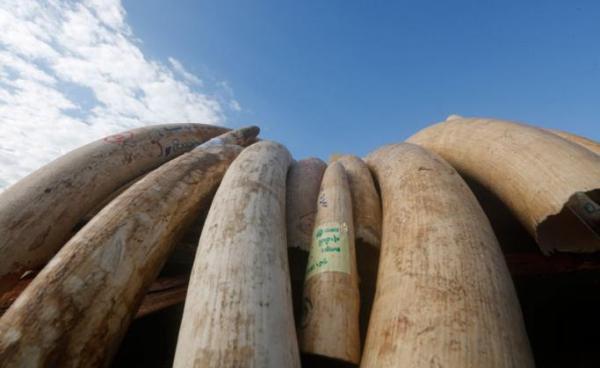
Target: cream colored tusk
(78, 308)
(444, 295)
(238, 308)
(41, 212)
(330, 320)
(533, 171)
(302, 190)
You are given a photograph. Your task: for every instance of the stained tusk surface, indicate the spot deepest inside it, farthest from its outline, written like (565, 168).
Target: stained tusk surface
(238, 309)
(330, 319)
(302, 191)
(366, 213)
(582, 141)
(41, 212)
(75, 312)
(534, 172)
(444, 295)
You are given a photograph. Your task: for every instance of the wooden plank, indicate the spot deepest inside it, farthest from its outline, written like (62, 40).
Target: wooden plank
(524, 264)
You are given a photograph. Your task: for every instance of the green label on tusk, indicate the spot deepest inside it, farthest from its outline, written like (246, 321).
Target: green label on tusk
(330, 250)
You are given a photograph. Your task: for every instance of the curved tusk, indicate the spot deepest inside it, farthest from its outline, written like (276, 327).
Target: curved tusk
(42, 211)
(330, 318)
(534, 172)
(582, 141)
(182, 257)
(238, 309)
(366, 213)
(77, 309)
(444, 295)
(303, 182)
(302, 191)
(366, 205)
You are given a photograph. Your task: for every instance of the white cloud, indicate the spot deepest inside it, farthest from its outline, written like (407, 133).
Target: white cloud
(235, 105)
(229, 96)
(178, 67)
(72, 72)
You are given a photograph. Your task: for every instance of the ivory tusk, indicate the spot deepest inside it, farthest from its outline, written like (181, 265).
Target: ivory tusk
(75, 312)
(243, 136)
(42, 211)
(330, 326)
(366, 206)
(444, 295)
(366, 213)
(238, 309)
(582, 141)
(534, 172)
(302, 190)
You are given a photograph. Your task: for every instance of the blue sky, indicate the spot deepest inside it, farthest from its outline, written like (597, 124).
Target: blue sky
(348, 76)
(321, 77)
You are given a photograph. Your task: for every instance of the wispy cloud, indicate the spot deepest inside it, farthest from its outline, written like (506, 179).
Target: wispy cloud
(178, 67)
(73, 72)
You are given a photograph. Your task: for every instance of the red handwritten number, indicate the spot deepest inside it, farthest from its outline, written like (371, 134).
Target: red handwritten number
(118, 138)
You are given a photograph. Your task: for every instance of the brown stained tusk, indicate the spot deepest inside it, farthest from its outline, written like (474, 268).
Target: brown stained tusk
(330, 314)
(366, 204)
(302, 191)
(532, 171)
(444, 294)
(303, 183)
(181, 255)
(242, 137)
(76, 310)
(163, 293)
(41, 212)
(94, 211)
(366, 213)
(582, 141)
(162, 288)
(238, 309)
(520, 264)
